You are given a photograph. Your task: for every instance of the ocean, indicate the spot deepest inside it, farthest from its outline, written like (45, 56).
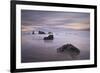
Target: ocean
(35, 49)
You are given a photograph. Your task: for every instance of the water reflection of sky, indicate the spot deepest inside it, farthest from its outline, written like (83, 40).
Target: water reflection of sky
(35, 49)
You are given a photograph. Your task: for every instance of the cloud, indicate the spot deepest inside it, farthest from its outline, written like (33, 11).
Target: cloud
(78, 26)
(73, 20)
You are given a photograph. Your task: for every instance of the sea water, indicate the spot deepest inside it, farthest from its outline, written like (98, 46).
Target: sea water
(35, 49)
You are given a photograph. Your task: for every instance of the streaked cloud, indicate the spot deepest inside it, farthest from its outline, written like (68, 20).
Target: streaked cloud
(70, 20)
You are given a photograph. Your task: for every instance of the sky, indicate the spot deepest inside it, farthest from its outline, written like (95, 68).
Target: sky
(30, 19)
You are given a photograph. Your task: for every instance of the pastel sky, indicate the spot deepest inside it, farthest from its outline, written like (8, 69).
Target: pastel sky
(68, 20)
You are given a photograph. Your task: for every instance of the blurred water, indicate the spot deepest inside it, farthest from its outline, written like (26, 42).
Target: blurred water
(35, 49)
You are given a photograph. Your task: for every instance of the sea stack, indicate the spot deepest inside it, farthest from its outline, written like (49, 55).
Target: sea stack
(41, 32)
(32, 32)
(50, 37)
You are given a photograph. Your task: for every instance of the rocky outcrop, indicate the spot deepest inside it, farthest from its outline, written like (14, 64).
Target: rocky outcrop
(50, 37)
(41, 32)
(69, 48)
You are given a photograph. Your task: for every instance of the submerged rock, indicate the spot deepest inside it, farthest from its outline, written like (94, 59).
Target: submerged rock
(41, 32)
(50, 37)
(69, 48)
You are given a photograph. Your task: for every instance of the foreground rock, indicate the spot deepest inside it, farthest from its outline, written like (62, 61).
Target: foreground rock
(50, 37)
(41, 32)
(69, 48)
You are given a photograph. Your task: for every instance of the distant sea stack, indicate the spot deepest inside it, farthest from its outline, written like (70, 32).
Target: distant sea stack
(32, 32)
(69, 48)
(50, 37)
(41, 32)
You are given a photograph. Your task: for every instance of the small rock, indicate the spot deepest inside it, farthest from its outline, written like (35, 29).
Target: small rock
(41, 32)
(50, 37)
(32, 32)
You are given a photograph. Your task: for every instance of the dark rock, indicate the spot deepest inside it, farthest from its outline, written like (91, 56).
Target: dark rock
(50, 37)
(49, 32)
(41, 32)
(69, 48)
(32, 32)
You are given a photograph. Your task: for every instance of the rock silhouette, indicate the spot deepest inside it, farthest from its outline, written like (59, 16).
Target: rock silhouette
(50, 37)
(41, 32)
(32, 32)
(69, 48)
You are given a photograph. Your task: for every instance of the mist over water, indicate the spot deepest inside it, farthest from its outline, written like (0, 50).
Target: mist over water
(35, 49)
